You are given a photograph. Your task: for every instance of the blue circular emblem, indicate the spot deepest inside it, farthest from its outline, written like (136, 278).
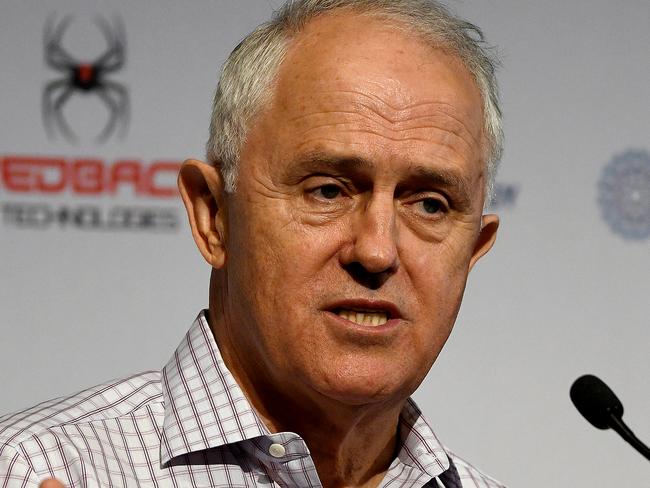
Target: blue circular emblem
(624, 194)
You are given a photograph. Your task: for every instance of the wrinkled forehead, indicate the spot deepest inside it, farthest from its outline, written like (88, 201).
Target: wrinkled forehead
(395, 71)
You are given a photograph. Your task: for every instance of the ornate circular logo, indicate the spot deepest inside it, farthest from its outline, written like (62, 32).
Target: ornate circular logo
(624, 194)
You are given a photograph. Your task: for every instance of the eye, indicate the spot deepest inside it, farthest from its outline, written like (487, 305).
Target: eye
(328, 192)
(429, 206)
(432, 206)
(325, 191)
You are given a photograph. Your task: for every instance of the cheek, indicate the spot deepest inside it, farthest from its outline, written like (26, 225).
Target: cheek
(437, 267)
(286, 259)
(438, 273)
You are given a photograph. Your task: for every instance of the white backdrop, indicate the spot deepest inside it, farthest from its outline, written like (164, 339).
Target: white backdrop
(561, 293)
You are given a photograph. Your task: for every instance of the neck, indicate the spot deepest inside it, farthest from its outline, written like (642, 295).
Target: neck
(351, 445)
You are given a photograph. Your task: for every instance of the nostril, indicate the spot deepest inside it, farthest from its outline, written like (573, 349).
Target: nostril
(369, 279)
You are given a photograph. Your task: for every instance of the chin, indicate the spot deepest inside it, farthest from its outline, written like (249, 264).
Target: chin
(359, 399)
(355, 389)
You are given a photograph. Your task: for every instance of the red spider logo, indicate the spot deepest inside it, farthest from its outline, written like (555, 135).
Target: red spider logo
(84, 78)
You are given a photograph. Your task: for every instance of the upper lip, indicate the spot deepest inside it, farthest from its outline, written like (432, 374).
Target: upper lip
(366, 305)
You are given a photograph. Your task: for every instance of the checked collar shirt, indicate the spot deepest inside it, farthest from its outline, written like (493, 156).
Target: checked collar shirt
(190, 426)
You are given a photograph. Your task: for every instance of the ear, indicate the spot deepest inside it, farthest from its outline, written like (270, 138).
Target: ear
(486, 238)
(201, 188)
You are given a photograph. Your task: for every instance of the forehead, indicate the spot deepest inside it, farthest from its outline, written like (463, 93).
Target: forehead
(391, 69)
(360, 86)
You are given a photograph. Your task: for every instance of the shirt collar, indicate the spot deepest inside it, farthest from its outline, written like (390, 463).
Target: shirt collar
(420, 448)
(204, 405)
(205, 408)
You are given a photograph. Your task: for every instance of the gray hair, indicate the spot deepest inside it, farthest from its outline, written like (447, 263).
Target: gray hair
(248, 74)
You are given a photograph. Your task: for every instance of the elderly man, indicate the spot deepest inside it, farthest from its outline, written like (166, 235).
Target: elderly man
(353, 145)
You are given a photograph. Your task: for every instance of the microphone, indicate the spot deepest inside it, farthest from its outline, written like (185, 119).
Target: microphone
(602, 408)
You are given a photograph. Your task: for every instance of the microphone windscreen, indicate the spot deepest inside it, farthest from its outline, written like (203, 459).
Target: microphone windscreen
(595, 401)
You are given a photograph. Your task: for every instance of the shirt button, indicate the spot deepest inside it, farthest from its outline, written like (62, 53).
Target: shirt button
(277, 450)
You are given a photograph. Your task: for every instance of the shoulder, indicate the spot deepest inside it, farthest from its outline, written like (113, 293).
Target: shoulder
(470, 476)
(106, 401)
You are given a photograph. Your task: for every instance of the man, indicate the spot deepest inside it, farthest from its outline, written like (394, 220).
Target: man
(353, 144)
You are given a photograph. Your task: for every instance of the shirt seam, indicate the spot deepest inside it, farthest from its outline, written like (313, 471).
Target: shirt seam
(28, 435)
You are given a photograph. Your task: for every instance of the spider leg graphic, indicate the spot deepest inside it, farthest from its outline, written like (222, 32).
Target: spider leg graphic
(56, 57)
(47, 102)
(113, 57)
(116, 99)
(59, 119)
(122, 97)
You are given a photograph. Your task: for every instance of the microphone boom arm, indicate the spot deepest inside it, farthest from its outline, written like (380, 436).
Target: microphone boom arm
(624, 431)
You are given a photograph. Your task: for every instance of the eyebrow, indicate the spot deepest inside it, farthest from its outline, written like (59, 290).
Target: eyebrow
(419, 175)
(445, 178)
(317, 160)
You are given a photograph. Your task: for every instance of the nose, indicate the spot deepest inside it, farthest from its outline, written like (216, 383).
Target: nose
(372, 256)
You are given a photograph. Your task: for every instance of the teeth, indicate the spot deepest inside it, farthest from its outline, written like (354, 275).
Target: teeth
(371, 319)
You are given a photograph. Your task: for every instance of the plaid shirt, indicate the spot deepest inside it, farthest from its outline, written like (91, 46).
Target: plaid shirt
(190, 426)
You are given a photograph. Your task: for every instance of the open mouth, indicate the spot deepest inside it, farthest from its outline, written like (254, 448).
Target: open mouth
(371, 318)
(364, 312)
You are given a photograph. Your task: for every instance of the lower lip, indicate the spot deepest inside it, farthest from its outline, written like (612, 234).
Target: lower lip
(382, 329)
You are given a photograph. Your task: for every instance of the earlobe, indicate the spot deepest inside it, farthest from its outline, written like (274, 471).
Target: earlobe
(201, 189)
(486, 238)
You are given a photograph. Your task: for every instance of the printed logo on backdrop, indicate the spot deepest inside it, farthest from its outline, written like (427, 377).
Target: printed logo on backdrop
(86, 100)
(624, 194)
(84, 77)
(505, 196)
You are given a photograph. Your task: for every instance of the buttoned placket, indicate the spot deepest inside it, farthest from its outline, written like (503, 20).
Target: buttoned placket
(289, 464)
(286, 458)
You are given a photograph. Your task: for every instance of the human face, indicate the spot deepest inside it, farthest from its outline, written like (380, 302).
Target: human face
(359, 198)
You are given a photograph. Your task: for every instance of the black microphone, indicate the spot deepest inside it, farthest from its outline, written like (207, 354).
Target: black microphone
(602, 408)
